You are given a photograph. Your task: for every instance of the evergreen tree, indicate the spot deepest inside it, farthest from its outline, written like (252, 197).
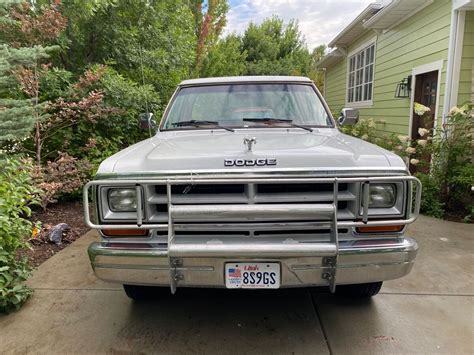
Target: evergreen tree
(17, 113)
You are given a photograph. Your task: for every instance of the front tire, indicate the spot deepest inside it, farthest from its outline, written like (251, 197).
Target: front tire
(360, 290)
(137, 293)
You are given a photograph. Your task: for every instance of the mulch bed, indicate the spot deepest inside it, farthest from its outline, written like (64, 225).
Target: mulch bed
(42, 248)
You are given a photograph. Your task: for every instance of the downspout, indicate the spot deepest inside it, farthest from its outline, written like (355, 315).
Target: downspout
(324, 82)
(452, 78)
(450, 65)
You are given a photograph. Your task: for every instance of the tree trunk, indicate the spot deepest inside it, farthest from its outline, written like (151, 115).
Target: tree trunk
(38, 143)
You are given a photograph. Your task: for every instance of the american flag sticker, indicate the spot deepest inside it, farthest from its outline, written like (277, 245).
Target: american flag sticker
(233, 272)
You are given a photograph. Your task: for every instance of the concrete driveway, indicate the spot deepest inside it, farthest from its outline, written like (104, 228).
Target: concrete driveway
(429, 311)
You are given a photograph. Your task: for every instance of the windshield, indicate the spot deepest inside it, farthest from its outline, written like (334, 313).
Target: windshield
(241, 105)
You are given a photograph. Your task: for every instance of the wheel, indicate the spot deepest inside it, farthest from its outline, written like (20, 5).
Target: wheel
(138, 293)
(360, 290)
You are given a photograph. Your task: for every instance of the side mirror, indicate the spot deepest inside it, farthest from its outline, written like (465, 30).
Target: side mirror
(348, 117)
(147, 121)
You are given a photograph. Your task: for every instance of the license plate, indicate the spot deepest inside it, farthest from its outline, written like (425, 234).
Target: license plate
(252, 275)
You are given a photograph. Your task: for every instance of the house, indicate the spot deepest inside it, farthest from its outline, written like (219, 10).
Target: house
(398, 52)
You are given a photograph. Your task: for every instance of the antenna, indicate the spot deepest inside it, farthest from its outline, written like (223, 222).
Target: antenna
(148, 113)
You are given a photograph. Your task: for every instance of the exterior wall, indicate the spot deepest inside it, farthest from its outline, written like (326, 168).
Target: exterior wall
(420, 40)
(466, 77)
(335, 86)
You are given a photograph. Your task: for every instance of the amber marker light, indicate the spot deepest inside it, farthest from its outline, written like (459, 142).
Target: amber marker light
(125, 232)
(379, 229)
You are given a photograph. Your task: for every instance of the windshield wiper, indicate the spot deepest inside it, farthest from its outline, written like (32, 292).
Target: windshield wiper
(197, 123)
(268, 120)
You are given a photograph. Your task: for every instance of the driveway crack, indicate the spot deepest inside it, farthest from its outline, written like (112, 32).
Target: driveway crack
(318, 315)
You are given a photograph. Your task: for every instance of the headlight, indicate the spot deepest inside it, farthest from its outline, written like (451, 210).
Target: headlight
(122, 200)
(382, 195)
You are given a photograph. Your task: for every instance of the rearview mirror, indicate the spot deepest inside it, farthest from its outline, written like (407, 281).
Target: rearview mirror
(147, 121)
(348, 117)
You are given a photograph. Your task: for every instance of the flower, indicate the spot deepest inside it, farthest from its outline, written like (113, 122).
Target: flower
(399, 147)
(414, 161)
(472, 188)
(420, 109)
(365, 137)
(422, 142)
(423, 131)
(410, 150)
(403, 139)
(455, 110)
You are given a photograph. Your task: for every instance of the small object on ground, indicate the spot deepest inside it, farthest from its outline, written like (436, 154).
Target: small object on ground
(56, 233)
(35, 232)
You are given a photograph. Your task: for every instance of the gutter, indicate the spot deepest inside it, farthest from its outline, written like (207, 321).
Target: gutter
(367, 11)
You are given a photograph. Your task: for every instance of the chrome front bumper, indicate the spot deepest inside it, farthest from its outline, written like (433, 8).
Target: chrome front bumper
(177, 263)
(307, 264)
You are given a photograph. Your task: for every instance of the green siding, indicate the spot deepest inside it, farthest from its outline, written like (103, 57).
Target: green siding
(335, 89)
(422, 39)
(467, 62)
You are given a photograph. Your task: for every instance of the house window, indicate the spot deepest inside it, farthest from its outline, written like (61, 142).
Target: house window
(361, 75)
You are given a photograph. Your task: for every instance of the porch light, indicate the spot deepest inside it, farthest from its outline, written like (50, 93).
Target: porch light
(403, 88)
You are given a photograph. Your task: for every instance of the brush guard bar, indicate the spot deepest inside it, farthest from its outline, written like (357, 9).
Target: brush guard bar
(325, 213)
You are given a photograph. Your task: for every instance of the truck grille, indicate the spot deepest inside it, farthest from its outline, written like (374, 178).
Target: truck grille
(222, 194)
(257, 193)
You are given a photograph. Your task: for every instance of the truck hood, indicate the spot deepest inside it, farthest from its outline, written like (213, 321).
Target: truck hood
(206, 150)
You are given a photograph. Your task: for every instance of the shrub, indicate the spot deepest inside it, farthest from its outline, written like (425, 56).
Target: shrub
(99, 148)
(431, 204)
(365, 129)
(61, 178)
(452, 154)
(102, 105)
(16, 195)
(448, 179)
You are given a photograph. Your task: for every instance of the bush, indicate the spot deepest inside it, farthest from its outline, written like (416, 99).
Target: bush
(101, 106)
(16, 195)
(448, 179)
(364, 129)
(452, 167)
(430, 201)
(61, 178)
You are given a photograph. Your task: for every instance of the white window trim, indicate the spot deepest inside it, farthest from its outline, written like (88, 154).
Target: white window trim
(367, 103)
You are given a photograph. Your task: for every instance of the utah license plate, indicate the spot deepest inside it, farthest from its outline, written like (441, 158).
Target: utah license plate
(252, 275)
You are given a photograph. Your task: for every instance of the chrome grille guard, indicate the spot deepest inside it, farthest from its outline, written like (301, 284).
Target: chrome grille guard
(325, 212)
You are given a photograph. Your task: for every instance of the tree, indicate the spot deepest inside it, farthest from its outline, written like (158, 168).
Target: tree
(224, 58)
(274, 48)
(20, 60)
(316, 74)
(151, 41)
(208, 26)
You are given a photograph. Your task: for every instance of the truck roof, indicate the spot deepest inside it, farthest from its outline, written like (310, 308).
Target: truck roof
(245, 79)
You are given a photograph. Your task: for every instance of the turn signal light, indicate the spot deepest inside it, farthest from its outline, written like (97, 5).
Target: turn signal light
(125, 232)
(379, 229)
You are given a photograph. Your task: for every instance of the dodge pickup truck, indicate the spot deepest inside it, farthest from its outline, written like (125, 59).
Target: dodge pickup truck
(248, 183)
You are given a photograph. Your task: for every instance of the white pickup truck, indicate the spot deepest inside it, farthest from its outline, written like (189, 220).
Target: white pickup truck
(248, 183)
